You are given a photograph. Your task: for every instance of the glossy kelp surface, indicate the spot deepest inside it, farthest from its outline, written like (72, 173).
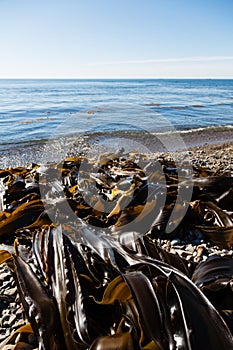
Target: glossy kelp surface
(90, 270)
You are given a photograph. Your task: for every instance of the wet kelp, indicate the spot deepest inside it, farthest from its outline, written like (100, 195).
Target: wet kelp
(89, 268)
(107, 297)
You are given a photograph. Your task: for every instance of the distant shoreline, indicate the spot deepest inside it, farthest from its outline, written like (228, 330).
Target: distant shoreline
(120, 78)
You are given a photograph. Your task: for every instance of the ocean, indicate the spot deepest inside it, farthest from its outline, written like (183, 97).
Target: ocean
(34, 111)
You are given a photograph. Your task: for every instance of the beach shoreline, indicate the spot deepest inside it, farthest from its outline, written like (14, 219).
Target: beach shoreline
(43, 151)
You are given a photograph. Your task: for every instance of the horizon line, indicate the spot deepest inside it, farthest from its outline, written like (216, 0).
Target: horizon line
(116, 78)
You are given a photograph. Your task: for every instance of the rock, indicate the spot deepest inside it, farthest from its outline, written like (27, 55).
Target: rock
(4, 334)
(175, 241)
(11, 291)
(6, 276)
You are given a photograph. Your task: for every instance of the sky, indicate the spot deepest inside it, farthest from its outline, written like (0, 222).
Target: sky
(116, 39)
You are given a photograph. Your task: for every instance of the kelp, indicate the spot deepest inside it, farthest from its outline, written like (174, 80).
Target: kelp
(214, 278)
(149, 303)
(5, 256)
(104, 282)
(24, 215)
(13, 343)
(221, 236)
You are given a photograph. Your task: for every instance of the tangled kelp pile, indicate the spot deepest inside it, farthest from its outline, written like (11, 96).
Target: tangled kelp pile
(100, 253)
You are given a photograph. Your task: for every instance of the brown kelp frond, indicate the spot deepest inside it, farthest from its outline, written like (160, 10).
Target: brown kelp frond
(5, 256)
(22, 216)
(214, 277)
(130, 268)
(41, 311)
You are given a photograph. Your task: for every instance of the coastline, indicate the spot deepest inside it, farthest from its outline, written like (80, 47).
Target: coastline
(43, 151)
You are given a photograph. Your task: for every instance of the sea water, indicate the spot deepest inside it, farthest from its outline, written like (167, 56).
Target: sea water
(32, 111)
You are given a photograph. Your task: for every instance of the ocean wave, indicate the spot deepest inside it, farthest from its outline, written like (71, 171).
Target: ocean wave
(47, 150)
(123, 133)
(206, 129)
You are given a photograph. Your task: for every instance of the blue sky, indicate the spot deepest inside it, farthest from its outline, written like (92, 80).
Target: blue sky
(116, 38)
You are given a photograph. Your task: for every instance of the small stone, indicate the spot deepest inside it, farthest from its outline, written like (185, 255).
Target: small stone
(212, 253)
(13, 305)
(5, 320)
(175, 241)
(200, 250)
(19, 311)
(225, 251)
(5, 312)
(5, 334)
(189, 257)
(5, 276)
(185, 253)
(190, 248)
